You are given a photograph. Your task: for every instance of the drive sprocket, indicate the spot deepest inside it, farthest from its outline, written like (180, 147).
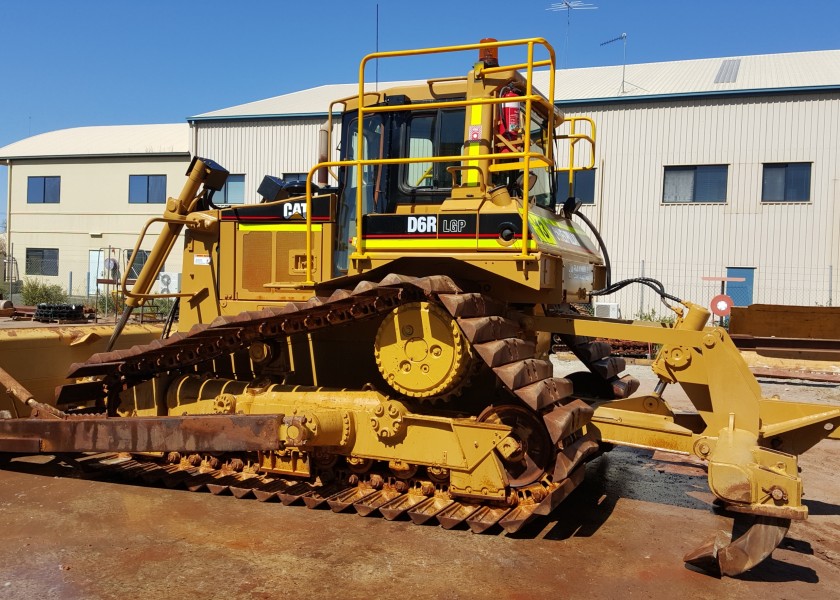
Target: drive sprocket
(421, 352)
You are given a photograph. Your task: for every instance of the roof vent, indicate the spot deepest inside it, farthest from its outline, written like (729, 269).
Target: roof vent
(728, 71)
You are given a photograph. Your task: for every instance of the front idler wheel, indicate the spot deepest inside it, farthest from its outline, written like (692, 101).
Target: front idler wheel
(529, 453)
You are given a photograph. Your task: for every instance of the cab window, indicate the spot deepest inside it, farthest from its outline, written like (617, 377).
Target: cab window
(439, 133)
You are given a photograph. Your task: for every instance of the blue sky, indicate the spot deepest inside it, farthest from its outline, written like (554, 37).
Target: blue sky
(109, 62)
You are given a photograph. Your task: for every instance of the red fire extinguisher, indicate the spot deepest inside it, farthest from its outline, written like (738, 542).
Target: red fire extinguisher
(510, 125)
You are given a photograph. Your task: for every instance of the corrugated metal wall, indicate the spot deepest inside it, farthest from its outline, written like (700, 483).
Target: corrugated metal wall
(793, 247)
(259, 147)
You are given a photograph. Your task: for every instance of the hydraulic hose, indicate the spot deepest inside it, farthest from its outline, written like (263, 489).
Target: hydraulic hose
(611, 288)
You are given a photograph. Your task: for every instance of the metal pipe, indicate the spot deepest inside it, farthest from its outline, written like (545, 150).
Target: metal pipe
(642, 291)
(312, 360)
(526, 172)
(14, 388)
(9, 225)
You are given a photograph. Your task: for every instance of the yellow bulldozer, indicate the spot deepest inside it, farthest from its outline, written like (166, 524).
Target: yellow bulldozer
(375, 338)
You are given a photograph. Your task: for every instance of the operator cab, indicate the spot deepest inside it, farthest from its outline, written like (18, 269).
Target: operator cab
(410, 129)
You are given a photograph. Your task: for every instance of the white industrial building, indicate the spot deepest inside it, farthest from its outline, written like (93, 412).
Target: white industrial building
(704, 169)
(79, 197)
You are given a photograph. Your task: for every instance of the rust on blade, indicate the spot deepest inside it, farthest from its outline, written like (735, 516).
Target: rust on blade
(625, 386)
(218, 433)
(14, 388)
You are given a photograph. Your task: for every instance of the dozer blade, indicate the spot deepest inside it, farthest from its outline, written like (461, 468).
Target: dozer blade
(721, 555)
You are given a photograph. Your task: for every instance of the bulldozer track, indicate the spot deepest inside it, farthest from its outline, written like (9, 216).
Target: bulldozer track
(421, 504)
(493, 337)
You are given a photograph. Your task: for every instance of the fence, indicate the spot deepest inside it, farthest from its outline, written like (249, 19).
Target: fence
(772, 285)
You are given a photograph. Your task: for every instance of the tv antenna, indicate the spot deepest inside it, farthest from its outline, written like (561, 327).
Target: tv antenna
(569, 6)
(623, 38)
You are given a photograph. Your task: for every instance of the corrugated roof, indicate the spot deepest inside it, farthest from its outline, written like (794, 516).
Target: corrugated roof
(110, 140)
(763, 72)
(796, 70)
(312, 101)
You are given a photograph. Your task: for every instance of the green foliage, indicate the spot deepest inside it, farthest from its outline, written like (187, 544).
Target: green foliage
(35, 291)
(105, 304)
(159, 307)
(651, 315)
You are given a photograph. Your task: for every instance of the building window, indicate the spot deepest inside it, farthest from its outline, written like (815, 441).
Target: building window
(702, 183)
(139, 261)
(147, 189)
(786, 182)
(43, 190)
(233, 192)
(42, 261)
(584, 186)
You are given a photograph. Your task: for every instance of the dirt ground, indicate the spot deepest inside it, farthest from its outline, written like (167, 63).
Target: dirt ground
(621, 534)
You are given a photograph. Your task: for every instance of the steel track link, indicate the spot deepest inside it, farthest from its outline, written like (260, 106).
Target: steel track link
(603, 379)
(422, 503)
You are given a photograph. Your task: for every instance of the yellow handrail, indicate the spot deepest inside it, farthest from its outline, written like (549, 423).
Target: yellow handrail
(140, 238)
(343, 101)
(574, 138)
(526, 155)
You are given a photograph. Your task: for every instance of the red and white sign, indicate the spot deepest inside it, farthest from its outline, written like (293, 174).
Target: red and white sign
(475, 133)
(721, 305)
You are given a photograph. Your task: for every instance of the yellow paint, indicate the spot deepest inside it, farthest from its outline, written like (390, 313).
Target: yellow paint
(551, 232)
(279, 227)
(473, 148)
(443, 244)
